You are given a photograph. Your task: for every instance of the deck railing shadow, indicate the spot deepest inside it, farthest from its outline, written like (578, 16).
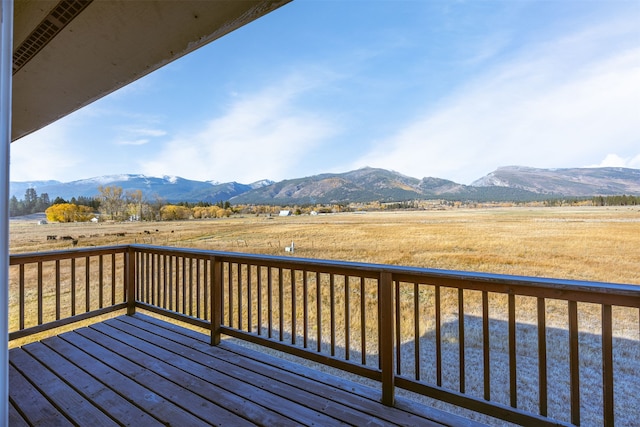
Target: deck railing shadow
(530, 351)
(626, 357)
(626, 367)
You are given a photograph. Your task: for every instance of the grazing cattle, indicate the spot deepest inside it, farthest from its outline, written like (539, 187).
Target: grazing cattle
(52, 237)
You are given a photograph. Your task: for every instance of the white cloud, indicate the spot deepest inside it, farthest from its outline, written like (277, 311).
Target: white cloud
(141, 141)
(37, 155)
(147, 132)
(613, 160)
(555, 105)
(261, 136)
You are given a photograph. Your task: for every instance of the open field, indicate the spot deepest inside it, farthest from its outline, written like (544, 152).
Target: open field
(596, 244)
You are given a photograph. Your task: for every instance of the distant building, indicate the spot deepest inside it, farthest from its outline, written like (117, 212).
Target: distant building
(285, 213)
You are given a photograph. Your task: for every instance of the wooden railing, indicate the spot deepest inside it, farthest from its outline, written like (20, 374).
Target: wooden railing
(53, 289)
(515, 348)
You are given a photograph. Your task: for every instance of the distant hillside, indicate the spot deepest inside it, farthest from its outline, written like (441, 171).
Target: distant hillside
(513, 183)
(361, 185)
(168, 188)
(571, 181)
(371, 184)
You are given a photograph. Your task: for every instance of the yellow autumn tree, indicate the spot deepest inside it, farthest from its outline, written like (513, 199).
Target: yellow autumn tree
(202, 212)
(68, 212)
(174, 212)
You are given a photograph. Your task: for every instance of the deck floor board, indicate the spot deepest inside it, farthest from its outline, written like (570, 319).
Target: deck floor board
(119, 408)
(15, 419)
(138, 370)
(60, 394)
(278, 389)
(351, 407)
(206, 385)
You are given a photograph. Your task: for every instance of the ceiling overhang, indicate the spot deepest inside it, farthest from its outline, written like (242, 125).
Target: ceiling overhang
(70, 53)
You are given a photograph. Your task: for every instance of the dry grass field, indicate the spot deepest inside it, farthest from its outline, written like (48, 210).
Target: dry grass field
(594, 244)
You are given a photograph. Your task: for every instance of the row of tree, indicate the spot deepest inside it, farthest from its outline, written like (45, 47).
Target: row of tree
(623, 200)
(112, 203)
(34, 203)
(31, 203)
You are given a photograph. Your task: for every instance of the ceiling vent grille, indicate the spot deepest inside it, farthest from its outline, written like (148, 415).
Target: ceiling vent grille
(51, 25)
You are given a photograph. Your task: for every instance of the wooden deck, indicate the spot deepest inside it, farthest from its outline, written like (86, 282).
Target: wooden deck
(141, 371)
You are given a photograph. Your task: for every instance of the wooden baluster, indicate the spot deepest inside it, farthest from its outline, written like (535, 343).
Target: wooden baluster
(385, 325)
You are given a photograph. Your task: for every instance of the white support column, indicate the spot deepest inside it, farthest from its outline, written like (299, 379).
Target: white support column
(6, 71)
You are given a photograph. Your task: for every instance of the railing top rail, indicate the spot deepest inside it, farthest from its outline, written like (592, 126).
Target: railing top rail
(309, 264)
(451, 278)
(26, 258)
(522, 285)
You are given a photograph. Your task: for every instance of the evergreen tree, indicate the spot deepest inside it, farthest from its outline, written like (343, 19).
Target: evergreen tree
(42, 203)
(15, 207)
(30, 200)
(59, 200)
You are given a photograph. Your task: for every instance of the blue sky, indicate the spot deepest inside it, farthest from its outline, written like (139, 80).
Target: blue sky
(448, 89)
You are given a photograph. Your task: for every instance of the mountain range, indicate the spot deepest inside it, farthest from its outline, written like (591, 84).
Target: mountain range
(511, 183)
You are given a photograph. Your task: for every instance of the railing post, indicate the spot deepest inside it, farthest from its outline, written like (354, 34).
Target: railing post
(6, 61)
(385, 301)
(216, 299)
(130, 280)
